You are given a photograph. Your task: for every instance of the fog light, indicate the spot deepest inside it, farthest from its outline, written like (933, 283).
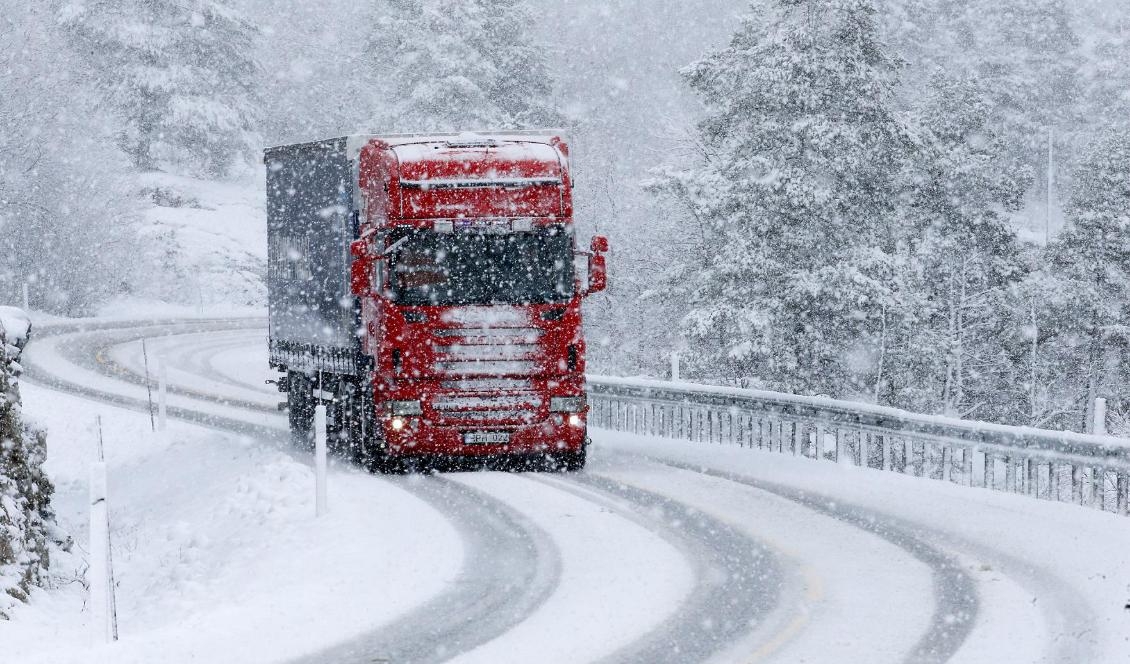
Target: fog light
(397, 423)
(575, 420)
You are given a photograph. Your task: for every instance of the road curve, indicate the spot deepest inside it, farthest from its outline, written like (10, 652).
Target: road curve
(726, 560)
(738, 580)
(510, 568)
(487, 599)
(956, 600)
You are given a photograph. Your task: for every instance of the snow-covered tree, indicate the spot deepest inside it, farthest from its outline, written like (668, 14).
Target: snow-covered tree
(65, 227)
(25, 490)
(460, 64)
(1091, 263)
(793, 199)
(963, 255)
(1032, 66)
(1106, 76)
(181, 76)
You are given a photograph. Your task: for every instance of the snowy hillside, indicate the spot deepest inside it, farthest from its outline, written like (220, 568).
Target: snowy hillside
(206, 239)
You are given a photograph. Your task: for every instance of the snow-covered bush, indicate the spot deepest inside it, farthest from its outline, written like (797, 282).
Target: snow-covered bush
(25, 491)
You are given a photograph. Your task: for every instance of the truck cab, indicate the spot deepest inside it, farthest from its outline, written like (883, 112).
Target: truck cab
(465, 284)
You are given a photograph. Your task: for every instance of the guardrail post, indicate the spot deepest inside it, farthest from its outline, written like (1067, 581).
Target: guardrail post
(947, 463)
(1033, 477)
(863, 440)
(798, 444)
(1009, 474)
(967, 466)
(1076, 484)
(885, 441)
(990, 474)
(819, 443)
(839, 445)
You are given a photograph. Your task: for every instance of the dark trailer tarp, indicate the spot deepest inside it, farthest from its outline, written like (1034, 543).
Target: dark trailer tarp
(310, 224)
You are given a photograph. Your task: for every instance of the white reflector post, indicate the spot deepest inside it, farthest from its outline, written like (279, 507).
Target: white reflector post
(99, 574)
(162, 382)
(320, 459)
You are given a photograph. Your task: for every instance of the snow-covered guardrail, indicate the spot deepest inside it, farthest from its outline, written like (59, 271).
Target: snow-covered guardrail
(1054, 465)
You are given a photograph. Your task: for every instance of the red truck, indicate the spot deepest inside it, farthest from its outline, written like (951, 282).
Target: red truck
(427, 290)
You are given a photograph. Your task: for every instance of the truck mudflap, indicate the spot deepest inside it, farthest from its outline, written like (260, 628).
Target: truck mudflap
(418, 437)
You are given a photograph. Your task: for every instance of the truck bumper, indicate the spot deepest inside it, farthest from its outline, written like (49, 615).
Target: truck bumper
(419, 437)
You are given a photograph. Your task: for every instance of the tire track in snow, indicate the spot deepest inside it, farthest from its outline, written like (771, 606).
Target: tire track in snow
(955, 592)
(738, 579)
(511, 565)
(73, 351)
(510, 568)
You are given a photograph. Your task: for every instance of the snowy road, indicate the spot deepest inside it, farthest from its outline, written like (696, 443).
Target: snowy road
(671, 552)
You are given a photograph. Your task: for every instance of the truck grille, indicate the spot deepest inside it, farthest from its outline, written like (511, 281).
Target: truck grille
(484, 368)
(487, 351)
(515, 408)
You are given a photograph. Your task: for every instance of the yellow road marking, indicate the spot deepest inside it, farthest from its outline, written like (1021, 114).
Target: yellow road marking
(813, 592)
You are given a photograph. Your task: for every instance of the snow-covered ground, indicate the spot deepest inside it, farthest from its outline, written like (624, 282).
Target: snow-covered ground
(217, 554)
(209, 239)
(219, 557)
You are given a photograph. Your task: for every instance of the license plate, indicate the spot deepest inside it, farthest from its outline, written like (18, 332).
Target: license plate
(486, 438)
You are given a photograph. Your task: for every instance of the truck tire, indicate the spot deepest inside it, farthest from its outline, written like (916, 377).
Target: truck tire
(300, 408)
(571, 462)
(338, 429)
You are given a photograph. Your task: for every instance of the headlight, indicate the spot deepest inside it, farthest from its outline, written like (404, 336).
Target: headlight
(397, 424)
(567, 404)
(404, 407)
(575, 420)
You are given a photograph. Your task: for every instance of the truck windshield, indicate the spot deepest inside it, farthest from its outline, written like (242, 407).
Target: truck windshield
(482, 268)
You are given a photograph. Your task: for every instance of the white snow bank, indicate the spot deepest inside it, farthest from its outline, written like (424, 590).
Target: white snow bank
(217, 553)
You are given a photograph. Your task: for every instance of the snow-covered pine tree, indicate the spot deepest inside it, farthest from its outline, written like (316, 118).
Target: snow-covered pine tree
(65, 227)
(1029, 56)
(1105, 76)
(964, 258)
(25, 491)
(1091, 263)
(181, 76)
(793, 201)
(452, 65)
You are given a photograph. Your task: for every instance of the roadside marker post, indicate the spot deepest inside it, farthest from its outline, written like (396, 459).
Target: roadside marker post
(148, 384)
(320, 505)
(162, 382)
(103, 604)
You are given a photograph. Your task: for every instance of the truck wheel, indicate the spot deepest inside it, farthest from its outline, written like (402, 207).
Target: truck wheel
(337, 427)
(300, 408)
(570, 462)
(381, 462)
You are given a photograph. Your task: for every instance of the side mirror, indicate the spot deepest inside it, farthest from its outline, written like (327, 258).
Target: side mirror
(598, 272)
(366, 273)
(599, 244)
(359, 273)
